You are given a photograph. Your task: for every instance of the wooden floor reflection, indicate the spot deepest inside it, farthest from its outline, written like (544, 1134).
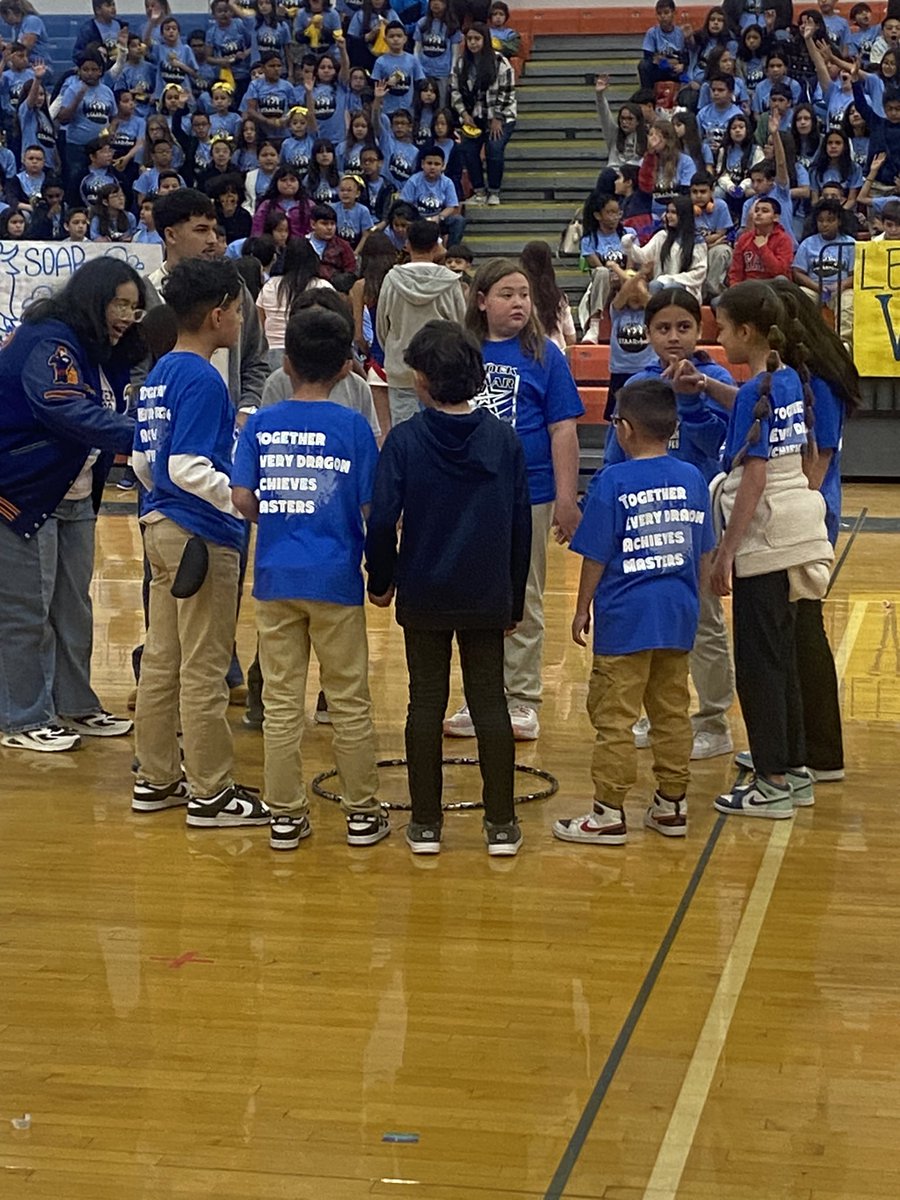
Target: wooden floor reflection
(187, 1014)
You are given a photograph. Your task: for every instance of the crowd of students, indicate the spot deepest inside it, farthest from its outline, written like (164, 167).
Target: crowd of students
(756, 148)
(270, 109)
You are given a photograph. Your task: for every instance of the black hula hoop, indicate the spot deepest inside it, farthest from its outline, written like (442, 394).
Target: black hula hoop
(458, 805)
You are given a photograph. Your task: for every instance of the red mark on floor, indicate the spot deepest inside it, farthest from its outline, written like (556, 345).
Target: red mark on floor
(191, 956)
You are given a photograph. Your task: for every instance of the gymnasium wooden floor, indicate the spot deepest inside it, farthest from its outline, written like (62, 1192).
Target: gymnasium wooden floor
(188, 1014)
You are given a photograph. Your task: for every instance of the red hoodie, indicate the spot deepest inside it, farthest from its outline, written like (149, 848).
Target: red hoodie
(750, 261)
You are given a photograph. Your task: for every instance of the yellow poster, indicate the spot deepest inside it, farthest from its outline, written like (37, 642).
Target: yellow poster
(876, 308)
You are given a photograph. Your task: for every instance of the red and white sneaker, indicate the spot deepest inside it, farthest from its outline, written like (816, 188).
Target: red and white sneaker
(668, 817)
(603, 827)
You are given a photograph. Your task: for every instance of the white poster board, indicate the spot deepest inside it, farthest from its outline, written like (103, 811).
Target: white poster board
(30, 270)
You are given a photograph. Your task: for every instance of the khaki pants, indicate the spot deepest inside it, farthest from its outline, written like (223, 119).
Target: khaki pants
(594, 301)
(187, 653)
(842, 307)
(718, 260)
(619, 684)
(711, 668)
(523, 650)
(337, 633)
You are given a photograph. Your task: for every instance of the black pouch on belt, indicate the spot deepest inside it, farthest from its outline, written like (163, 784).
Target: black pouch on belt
(192, 568)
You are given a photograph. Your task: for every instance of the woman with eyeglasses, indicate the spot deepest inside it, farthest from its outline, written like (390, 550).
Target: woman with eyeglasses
(63, 374)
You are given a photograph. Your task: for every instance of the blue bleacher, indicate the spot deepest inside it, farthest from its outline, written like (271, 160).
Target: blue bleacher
(62, 29)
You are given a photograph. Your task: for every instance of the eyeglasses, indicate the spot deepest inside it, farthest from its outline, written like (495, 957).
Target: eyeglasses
(124, 308)
(616, 421)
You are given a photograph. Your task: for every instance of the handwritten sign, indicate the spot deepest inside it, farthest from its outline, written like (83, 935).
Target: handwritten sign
(876, 308)
(31, 270)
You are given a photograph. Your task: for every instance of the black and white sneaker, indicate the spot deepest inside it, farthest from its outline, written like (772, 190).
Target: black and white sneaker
(502, 840)
(99, 724)
(47, 739)
(233, 805)
(367, 828)
(147, 797)
(287, 832)
(423, 839)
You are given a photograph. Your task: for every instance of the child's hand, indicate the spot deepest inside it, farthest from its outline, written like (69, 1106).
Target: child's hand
(601, 83)
(381, 89)
(774, 124)
(877, 163)
(687, 380)
(566, 516)
(581, 624)
(720, 576)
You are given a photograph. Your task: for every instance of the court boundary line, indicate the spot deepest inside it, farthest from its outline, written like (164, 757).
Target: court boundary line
(579, 1136)
(857, 526)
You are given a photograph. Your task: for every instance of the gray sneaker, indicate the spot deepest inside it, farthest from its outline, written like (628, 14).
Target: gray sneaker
(422, 838)
(503, 839)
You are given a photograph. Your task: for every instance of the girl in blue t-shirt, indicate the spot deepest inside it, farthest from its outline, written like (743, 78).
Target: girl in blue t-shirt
(666, 171)
(601, 248)
(360, 135)
(437, 37)
(834, 164)
(835, 388)
(529, 386)
(856, 130)
(324, 178)
(751, 60)
(330, 95)
(738, 153)
(774, 543)
(424, 108)
(353, 219)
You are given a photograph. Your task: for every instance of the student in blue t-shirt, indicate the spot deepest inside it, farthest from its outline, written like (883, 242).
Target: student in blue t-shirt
(629, 348)
(395, 138)
(823, 264)
(435, 196)
(715, 226)
(665, 49)
(400, 70)
(192, 538)
(835, 387)
(774, 548)
(601, 249)
(645, 538)
(86, 107)
(772, 179)
(704, 393)
(437, 38)
(713, 118)
(456, 478)
(304, 472)
(354, 220)
(529, 386)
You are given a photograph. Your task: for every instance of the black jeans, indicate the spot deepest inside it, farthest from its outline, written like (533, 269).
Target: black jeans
(765, 669)
(428, 661)
(819, 689)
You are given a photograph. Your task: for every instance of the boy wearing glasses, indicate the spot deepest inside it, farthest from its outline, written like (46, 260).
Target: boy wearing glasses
(645, 539)
(193, 537)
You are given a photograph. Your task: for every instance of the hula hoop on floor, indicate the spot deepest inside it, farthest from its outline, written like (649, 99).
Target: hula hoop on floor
(456, 806)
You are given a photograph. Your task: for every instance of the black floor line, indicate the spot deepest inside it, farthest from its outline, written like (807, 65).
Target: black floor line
(589, 1113)
(857, 526)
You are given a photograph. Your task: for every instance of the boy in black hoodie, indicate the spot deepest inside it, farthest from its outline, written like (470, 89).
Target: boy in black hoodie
(457, 477)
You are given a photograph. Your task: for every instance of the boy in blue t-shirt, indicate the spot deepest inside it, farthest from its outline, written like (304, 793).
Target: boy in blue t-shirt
(434, 196)
(823, 265)
(665, 49)
(399, 69)
(193, 536)
(304, 472)
(645, 538)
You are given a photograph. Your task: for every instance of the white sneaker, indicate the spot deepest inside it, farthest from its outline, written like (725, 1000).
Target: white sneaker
(478, 198)
(604, 826)
(826, 776)
(711, 745)
(48, 738)
(591, 335)
(525, 724)
(493, 198)
(460, 724)
(668, 817)
(641, 731)
(99, 724)
(800, 782)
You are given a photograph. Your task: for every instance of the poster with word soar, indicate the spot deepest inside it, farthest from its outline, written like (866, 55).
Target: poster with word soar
(30, 270)
(876, 309)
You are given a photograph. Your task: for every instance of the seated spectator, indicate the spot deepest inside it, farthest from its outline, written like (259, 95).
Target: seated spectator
(335, 255)
(664, 48)
(674, 256)
(434, 196)
(665, 171)
(765, 250)
(601, 247)
(823, 266)
(716, 228)
(625, 133)
(834, 164)
(713, 118)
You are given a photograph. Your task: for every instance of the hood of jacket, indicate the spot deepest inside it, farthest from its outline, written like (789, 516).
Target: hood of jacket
(423, 283)
(457, 443)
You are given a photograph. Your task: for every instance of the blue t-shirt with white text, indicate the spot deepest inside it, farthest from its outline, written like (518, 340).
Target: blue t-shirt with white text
(648, 521)
(782, 432)
(312, 464)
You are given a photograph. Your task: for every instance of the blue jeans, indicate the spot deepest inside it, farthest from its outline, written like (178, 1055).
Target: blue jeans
(46, 620)
(494, 150)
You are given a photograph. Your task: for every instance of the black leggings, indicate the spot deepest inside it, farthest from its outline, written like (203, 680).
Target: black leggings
(765, 669)
(819, 689)
(428, 654)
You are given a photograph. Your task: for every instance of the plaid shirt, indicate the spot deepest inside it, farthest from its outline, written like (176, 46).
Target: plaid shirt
(498, 101)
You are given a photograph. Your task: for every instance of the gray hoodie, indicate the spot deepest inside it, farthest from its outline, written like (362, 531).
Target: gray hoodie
(412, 295)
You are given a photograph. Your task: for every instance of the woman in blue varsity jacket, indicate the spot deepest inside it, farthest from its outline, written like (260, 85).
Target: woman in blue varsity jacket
(63, 374)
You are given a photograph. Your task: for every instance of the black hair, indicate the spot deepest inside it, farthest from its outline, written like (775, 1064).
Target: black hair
(640, 128)
(780, 89)
(847, 129)
(596, 202)
(690, 141)
(643, 96)
(160, 331)
(218, 185)
(196, 286)
(684, 235)
(475, 73)
(329, 299)
(650, 407)
(167, 174)
(461, 250)
(807, 144)
(822, 163)
(450, 359)
(107, 220)
(317, 343)
(827, 354)
(176, 207)
(857, 9)
(889, 212)
(722, 77)
(771, 200)
(423, 235)
(322, 212)
(301, 266)
(744, 52)
(394, 25)
(747, 148)
(282, 172)
(701, 179)
(431, 152)
(262, 248)
(662, 5)
(318, 174)
(81, 304)
(402, 208)
(673, 297)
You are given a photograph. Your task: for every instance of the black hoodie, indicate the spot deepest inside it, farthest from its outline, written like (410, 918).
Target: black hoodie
(459, 483)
